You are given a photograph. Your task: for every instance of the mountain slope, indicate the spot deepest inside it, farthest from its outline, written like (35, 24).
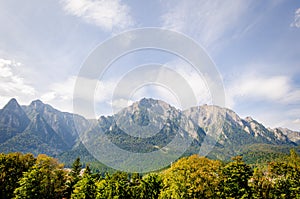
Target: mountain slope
(13, 120)
(146, 126)
(39, 128)
(234, 130)
(37, 138)
(292, 135)
(61, 122)
(232, 133)
(149, 125)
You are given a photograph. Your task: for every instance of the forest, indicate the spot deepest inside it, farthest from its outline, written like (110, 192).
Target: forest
(43, 177)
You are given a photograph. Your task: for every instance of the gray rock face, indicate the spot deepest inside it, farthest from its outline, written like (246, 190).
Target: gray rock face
(146, 125)
(67, 125)
(232, 129)
(292, 135)
(38, 128)
(13, 120)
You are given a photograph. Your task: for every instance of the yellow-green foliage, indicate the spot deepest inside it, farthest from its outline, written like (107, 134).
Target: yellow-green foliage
(192, 177)
(23, 176)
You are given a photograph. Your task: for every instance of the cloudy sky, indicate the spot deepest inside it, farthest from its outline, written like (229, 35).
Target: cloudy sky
(255, 46)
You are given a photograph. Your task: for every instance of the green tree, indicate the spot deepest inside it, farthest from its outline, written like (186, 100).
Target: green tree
(12, 166)
(46, 180)
(76, 168)
(85, 188)
(279, 180)
(150, 186)
(236, 175)
(134, 187)
(285, 176)
(261, 184)
(191, 177)
(115, 186)
(73, 177)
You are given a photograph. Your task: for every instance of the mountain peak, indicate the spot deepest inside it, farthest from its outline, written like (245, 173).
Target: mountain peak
(149, 103)
(249, 119)
(13, 120)
(39, 107)
(12, 104)
(37, 103)
(13, 100)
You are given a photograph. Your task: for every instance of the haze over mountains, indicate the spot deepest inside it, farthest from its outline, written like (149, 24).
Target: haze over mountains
(145, 126)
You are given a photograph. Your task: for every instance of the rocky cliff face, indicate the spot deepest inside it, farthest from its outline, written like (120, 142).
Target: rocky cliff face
(67, 125)
(13, 120)
(150, 125)
(233, 130)
(145, 126)
(291, 135)
(38, 128)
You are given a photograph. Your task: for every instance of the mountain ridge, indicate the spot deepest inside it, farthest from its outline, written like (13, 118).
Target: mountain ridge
(221, 128)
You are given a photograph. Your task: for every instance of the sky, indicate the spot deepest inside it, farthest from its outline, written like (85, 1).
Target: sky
(255, 46)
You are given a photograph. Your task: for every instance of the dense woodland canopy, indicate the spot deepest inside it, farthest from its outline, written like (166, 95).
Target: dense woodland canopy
(26, 176)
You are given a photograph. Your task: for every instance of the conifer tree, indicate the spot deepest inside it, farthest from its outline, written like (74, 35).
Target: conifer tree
(85, 188)
(73, 177)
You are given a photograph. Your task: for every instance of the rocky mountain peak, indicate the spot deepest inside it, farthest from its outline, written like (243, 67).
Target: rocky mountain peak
(207, 115)
(148, 107)
(13, 120)
(146, 102)
(12, 105)
(37, 105)
(151, 103)
(14, 111)
(142, 121)
(249, 119)
(292, 135)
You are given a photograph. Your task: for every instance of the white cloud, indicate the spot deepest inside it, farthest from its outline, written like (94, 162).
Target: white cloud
(108, 15)
(60, 91)
(156, 91)
(207, 20)
(120, 103)
(296, 22)
(278, 89)
(287, 117)
(61, 94)
(271, 88)
(112, 94)
(297, 121)
(292, 120)
(12, 84)
(194, 79)
(292, 97)
(274, 118)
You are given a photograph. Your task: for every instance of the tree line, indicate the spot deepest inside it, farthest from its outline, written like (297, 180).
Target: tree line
(42, 177)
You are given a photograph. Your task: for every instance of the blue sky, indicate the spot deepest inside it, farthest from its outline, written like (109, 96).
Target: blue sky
(255, 46)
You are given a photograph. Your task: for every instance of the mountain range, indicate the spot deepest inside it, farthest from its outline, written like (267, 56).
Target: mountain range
(147, 125)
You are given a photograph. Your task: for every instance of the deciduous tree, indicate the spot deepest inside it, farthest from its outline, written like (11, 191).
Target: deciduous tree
(236, 175)
(191, 177)
(12, 166)
(46, 180)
